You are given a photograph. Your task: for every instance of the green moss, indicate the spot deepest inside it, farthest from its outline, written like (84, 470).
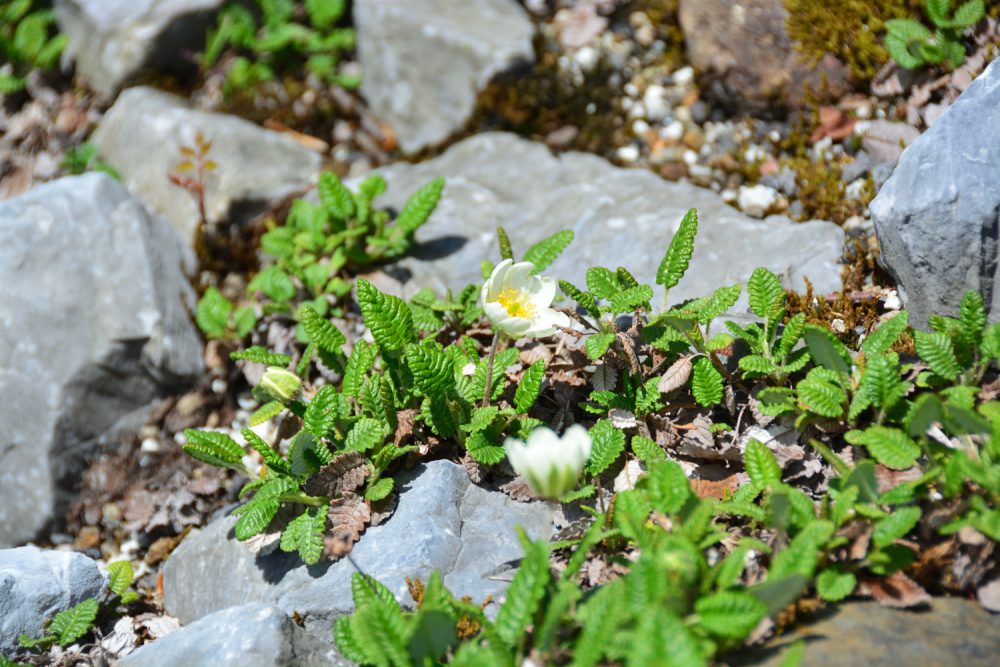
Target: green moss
(851, 30)
(663, 15)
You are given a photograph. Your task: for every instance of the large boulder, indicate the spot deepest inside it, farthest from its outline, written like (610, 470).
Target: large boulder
(93, 326)
(951, 632)
(255, 167)
(744, 50)
(35, 585)
(113, 40)
(621, 217)
(424, 61)
(938, 217)
(255, 634)
(443, 522)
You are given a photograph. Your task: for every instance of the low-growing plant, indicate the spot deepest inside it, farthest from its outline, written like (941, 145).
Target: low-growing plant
(28, 40)
(289, 35)
(911, 44)
(83, 158)
(71, 624)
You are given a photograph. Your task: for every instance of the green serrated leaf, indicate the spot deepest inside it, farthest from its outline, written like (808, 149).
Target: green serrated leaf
(895, 526)
(212, 313)
(706, 383)
(803, 553)
(214, 448)
(543, 253)
(335, 197)
(675, 261)
(586, 299)
(320, 331)
(260, 355)
(387, 316)
(730, 614)
(419, 206)
(936, 350)
(379, 490)
(668, 487)
(881, 339)
(602, 282)
(632, 298)
(525, 593)
(597, 345)
(820, 393)
(766, 295)
(120, 576)
(761, 464)
(530, 386)
(647, 450)
(608, 444)
(71, 624)
(506, 252)
(827, 350)
(889, 446)
(834, 585)
(366, 434)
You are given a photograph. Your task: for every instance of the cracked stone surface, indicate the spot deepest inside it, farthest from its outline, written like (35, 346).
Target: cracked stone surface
(621, 217)
(255, 634)
(94, 326)
(113, 40)
(938, 217)
(256, 167)
(405, 46)
(442, 522)
(37, 584)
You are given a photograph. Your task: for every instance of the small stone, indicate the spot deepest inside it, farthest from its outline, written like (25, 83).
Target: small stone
(855, 190)
(892, 301)
(691, 159)
(150, 446)
(587, 58)
(683, 77)
(728, 195)
(640, 128)
(628, 154)
(757, 200)
(673, 132)
(89, 537)
(654, 100)
(838, 326)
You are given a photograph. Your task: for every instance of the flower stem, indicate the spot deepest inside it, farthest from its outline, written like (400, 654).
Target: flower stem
(489, 369)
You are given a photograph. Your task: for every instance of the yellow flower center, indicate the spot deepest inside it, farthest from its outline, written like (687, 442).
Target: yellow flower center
(517, 302)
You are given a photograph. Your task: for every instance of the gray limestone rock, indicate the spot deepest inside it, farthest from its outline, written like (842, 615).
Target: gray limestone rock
(621, 217)
(113, 40)
(952, 632)
(35, 585)
(938, 216)
(424, 61)
(141, 136)
(442, 522)
(93, 326)
(255, 634)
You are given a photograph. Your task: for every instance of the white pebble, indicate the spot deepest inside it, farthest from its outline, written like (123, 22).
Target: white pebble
(631, 89)
(674, 131)
(587, 58)
(683, 76)
(655, 102)
(892, 301)
(754, 153)
(774, 136)
(855, 190)
(640, 128)
(757, 200)
(728, 195)
(690, 158)
(628, 153)
(150, 446)
(219, 386)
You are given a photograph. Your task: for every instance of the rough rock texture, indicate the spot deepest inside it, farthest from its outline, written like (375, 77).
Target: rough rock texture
(113, 40)
(621, 217)
(442, 522)
(938, 217)
(424, 61)
(93, 326)
(953, 632)
(35, 585)
(744, 49)
(255, 634)
(256, 167)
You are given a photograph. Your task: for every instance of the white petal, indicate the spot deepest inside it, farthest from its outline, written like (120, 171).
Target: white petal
(517, 454)
(515, 327)
(543, 293)
(519, 276)
(495, 313)
(498, 278)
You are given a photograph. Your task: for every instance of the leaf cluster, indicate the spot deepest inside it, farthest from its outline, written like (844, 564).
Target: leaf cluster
(912, 44)
(29, 40)
(288, 37)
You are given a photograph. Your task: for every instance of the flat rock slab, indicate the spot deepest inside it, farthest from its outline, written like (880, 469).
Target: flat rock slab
(113, 40)
(141, 136)
(443, 522)
(938, 217)
(94, 326)
(952, 632)
(37, 584)
(621, 217)
(255, 634)
(424, 61)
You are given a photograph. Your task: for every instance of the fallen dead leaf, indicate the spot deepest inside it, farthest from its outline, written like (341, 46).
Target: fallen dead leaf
(897, 591)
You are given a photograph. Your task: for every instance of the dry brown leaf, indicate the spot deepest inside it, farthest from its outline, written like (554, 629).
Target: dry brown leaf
(404, 425)
(890, 479)
(676, 376)
(707, 488)
(348, 517)
(833, 123)
(605, 377)
(346, 472)
(473, 468)
(383, 509)
(622, 418)
(519, 490)
(897, 591)
(989, 595)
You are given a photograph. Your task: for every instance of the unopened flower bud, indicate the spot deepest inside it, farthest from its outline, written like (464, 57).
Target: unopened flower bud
(283, 385)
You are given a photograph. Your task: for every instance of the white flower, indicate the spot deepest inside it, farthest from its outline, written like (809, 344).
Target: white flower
(552, 465)
(518, 303)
